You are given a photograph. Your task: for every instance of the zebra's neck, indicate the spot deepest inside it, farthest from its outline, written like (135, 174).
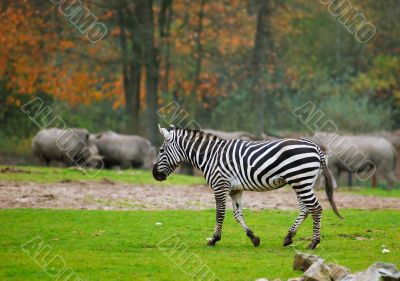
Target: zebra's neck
(199, 148)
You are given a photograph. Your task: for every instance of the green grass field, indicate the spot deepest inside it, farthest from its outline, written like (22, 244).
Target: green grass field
(128, 245)
(52, 174)
(372, 191)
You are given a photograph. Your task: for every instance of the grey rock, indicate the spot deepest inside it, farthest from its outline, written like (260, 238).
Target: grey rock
(318, 271)
(349, 277)
(303, 261)
(338, 272)
(321, 271)
(379, 272)
(386, 274)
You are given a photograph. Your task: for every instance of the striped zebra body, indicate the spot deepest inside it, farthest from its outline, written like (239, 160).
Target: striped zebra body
(233, 166)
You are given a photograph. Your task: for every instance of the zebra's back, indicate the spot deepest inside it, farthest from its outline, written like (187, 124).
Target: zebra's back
(261, 166)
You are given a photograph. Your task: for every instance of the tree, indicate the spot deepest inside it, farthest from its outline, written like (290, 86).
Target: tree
(130, 68)
(262, 55)
(151, 58)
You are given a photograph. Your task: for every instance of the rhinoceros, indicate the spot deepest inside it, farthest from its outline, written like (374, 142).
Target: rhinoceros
(69, 146)
(393, 137)
(124, 150)
(361, 154)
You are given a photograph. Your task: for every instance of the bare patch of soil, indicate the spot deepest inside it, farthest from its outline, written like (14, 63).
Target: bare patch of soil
(109, 195)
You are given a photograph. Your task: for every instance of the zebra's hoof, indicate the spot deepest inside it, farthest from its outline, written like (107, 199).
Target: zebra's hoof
(256, 241)
(313, 244)
(287, 241)
(213, 241)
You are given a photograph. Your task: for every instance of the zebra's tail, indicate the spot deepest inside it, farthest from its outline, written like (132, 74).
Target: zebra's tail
(328, 182)
(329, 190)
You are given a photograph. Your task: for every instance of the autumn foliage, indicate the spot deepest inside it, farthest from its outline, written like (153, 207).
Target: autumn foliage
(35, 58)
(204, 56)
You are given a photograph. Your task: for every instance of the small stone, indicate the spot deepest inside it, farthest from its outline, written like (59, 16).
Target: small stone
(385, 251)
(262, 279)
(360, 238)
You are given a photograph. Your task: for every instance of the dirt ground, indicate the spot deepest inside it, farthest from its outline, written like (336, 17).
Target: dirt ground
(108, 195)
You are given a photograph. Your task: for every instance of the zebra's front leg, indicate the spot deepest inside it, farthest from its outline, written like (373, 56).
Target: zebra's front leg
(220, 201)
(236, 196)
(299, 220)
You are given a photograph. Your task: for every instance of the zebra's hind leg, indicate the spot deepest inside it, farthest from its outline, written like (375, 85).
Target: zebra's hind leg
(316, 213)
(306, 197)
(220, 200)
(293, 229)
(236, 196)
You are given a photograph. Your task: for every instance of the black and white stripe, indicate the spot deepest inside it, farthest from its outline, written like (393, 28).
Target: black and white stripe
(233, 166)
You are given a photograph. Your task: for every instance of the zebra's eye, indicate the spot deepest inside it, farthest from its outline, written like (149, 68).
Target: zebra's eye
(162, 150)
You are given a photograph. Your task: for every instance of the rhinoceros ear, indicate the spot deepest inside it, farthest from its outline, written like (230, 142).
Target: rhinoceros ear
(164, 132)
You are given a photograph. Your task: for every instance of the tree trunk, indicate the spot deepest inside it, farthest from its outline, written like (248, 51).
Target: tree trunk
(261, 56)
(151, 62)
(199, 49)
(164, 23)
(131, 78)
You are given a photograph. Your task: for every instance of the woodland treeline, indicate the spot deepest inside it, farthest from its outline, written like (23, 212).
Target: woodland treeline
(229, 65)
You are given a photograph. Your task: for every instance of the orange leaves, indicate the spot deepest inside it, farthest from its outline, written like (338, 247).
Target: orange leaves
(208, 85)
(66, 44)
(80, 86)
(38, 55)
(227, 28)
(21, 53)
(187, 87)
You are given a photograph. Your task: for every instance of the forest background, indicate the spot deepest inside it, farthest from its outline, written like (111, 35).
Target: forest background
(229, 65)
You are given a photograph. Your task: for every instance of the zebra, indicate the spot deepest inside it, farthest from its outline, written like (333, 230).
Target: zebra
(233, 166)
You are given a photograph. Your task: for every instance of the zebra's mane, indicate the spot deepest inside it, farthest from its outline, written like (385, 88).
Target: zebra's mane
(201, 133)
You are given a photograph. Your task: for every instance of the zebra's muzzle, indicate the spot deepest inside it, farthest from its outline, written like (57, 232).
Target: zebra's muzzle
(157, 175)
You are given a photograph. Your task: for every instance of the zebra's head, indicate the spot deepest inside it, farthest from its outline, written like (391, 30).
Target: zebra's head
(169, 156)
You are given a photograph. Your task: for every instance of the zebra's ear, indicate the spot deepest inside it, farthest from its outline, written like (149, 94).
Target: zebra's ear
(164, 132)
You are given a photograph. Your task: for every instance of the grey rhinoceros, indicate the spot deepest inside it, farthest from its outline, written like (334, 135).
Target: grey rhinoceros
(71, 147)
(364, 155)
(124, 150)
